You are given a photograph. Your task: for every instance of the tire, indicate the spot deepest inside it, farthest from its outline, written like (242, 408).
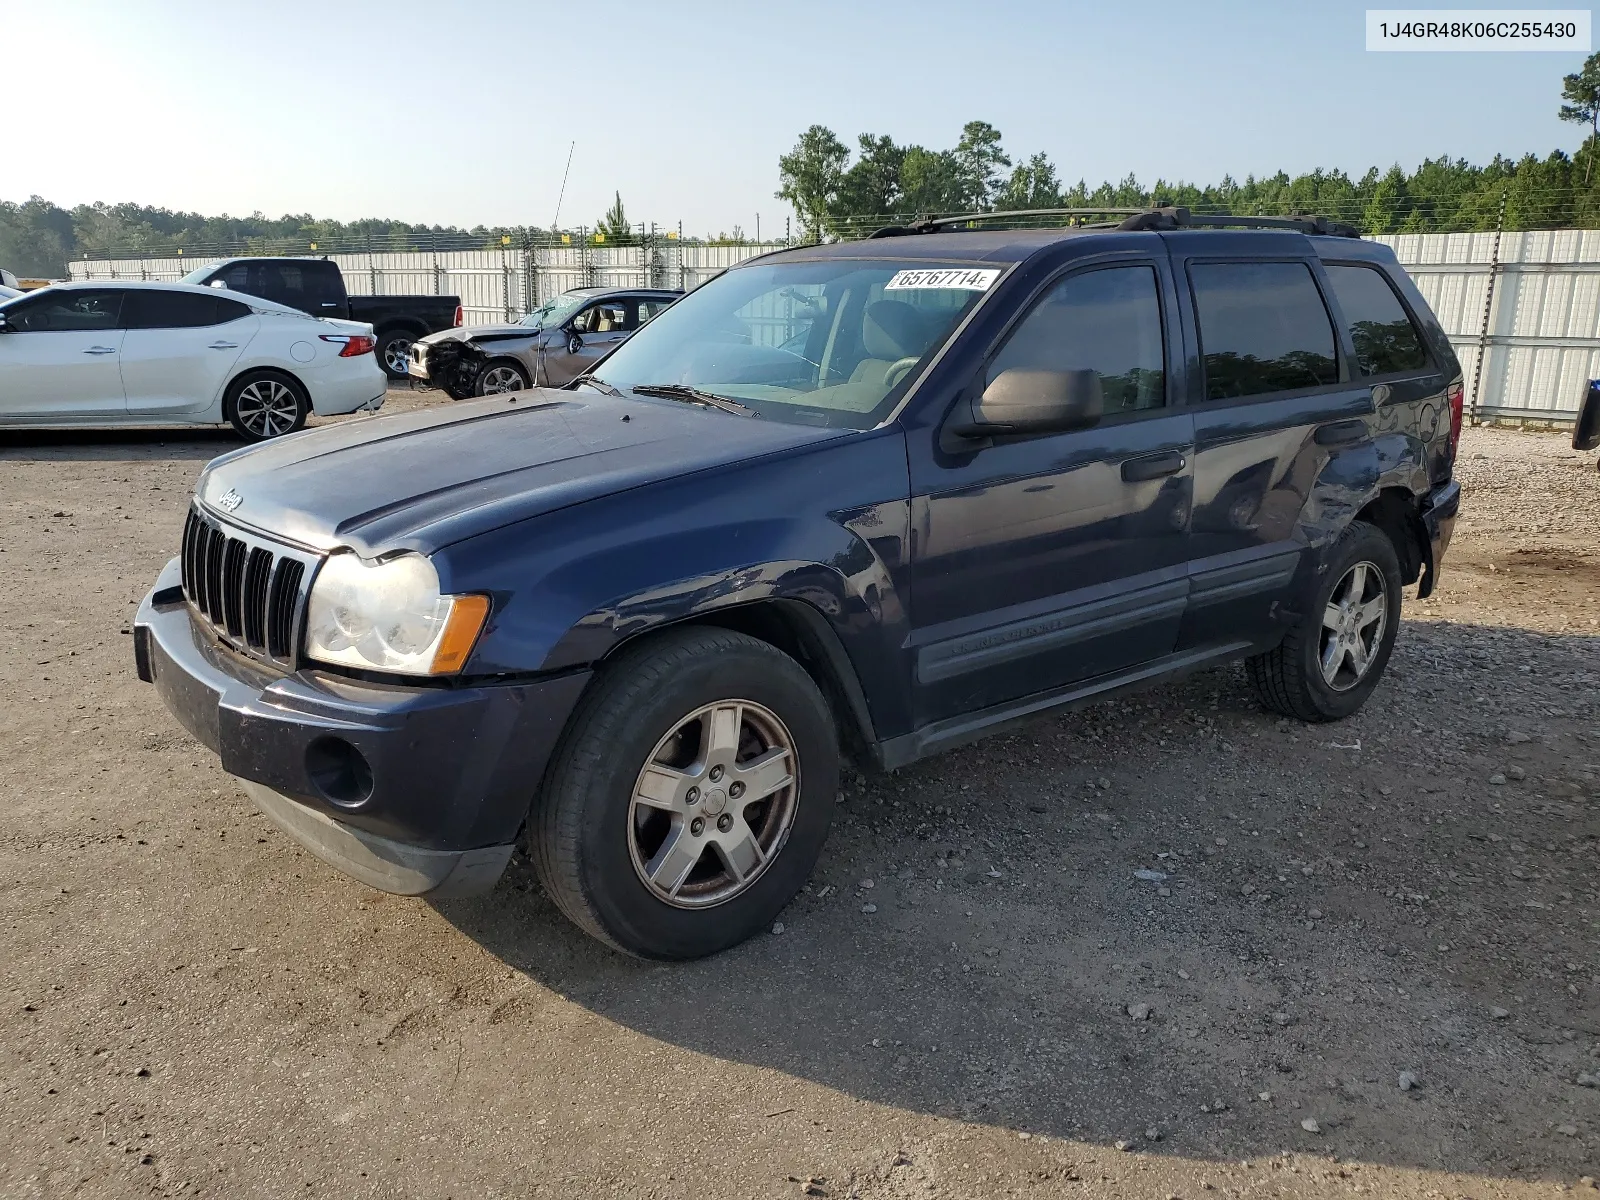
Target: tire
(394, 348)
(1294, 678)
(265, 404)
(594, 841)
(500, 375)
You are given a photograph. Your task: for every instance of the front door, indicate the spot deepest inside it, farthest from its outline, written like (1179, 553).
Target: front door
(180, 349)
(1042, 561)
(1274, 400)
(59, 356)
(587, 338)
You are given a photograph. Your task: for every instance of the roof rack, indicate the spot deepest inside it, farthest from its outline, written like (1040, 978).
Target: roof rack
(1165, 218)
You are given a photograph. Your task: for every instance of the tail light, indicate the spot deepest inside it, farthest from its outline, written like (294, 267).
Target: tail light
(352, 345)
(1454, 398)
(458, 316)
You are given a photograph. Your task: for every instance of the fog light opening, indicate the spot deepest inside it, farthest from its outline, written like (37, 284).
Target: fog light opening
(339, 771)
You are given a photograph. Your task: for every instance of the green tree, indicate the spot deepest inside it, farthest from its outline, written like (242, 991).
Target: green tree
(809, 177)
(1033, 184)
(978, 157)
(933, 181)
(614, 227)
(1582, 95)
(873, 185)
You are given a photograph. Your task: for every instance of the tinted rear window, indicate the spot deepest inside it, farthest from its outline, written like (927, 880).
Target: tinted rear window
(1263, 328)
(1384, 337)
(169, 310)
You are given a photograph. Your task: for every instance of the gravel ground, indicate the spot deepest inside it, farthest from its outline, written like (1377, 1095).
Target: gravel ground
(1371, 967)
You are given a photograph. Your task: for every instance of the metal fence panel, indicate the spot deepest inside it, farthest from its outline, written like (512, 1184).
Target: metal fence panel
(1539, 345)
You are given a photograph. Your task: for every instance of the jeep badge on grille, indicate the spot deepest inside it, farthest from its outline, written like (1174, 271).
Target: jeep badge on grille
(230, 500)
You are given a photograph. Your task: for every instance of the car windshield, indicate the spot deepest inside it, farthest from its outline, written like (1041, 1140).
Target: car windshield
(554, 311)
(198, 274)
(828, 342)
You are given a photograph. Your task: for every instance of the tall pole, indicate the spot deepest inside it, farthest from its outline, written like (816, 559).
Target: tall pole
(554, 224)
(1488, 304)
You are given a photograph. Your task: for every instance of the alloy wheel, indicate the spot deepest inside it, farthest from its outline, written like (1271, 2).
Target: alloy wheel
(1353, 624)
(714, 804)
(267, 407)
(502, 379)
(396, 356)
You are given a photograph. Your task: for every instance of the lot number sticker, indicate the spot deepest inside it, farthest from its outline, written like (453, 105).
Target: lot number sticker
(973, 279)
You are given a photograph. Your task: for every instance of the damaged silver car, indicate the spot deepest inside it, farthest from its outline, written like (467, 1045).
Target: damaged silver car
(551, 346)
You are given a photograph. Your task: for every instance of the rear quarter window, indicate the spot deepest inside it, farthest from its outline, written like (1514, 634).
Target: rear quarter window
(1263, 328)
(1385, 339)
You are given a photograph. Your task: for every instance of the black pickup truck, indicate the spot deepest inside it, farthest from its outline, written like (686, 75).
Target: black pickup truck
(314, 285)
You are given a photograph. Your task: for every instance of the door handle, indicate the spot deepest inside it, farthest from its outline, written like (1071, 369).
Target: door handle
(1153, 466)
(101, 350)
(223, 346)
(1340, 433)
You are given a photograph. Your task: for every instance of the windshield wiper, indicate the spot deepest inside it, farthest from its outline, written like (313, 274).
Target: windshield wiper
(692, 395)
(598, 383)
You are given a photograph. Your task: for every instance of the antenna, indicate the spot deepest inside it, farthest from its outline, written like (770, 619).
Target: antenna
(563, 195)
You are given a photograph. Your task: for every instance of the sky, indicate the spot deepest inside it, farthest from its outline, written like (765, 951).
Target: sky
(462, 113)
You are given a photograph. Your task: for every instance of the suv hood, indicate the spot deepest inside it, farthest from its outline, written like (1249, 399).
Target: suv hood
(422, 480)
(476, 333)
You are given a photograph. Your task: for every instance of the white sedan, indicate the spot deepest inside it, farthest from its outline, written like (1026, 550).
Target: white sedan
(126, 353)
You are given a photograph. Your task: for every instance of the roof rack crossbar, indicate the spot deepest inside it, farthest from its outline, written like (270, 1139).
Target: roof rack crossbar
(1166, 217)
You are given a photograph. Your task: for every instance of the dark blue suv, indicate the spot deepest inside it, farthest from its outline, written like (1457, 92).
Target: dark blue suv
(870, 499)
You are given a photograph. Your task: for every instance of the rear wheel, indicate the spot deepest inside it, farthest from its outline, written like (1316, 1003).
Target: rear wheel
(394, 352)
(1330, 662)
(691, 796)
(265, 405)
(501, 375)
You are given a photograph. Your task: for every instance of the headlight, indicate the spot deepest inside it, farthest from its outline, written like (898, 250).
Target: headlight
(389, 616)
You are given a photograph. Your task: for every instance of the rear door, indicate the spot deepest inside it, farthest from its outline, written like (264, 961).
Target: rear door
(59, 357)
(180, 349)
(1040, 561)
(1274, 396)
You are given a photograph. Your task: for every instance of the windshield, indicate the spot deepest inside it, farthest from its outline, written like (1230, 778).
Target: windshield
(553, 311)
(198, 274)
(818, 343)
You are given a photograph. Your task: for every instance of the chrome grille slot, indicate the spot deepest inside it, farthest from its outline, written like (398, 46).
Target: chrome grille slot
(257, 571)
(247, 590)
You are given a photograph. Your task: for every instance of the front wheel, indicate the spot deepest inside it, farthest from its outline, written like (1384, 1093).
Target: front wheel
(501, 376)
(265, 405)
(1329, 663)
(691, 796)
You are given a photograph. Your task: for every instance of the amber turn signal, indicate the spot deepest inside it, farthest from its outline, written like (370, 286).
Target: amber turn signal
(461, 630)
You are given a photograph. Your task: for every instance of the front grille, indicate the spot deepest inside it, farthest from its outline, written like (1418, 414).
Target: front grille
(248, 591)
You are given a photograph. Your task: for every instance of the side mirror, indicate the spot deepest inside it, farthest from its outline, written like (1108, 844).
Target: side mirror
(574, 342)
(1022, 401)
(1586, 433)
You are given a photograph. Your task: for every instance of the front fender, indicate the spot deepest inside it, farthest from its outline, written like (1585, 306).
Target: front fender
(571, 586)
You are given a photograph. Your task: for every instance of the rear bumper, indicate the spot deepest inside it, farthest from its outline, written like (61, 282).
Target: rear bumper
(348, 391)
(1439, 510)
(416, 790)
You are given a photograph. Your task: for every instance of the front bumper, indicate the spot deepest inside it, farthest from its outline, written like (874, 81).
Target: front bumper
(1439, 510)
(416, 790)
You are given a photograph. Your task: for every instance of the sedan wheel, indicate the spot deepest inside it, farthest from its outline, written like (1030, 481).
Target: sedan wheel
(265, 406)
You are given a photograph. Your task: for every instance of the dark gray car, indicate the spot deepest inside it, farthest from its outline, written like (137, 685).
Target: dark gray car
(551, 346)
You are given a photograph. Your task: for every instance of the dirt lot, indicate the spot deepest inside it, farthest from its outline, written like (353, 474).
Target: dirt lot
(192, 1005)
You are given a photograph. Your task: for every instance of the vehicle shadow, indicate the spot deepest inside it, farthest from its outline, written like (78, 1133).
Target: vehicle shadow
(106, 445)
(1315, 936)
